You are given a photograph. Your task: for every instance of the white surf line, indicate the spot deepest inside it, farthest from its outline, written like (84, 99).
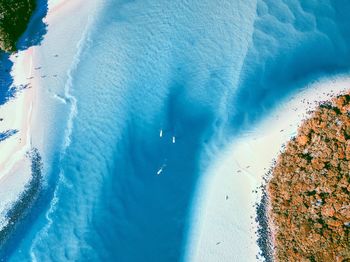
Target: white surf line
(232, 221)
(58, 9)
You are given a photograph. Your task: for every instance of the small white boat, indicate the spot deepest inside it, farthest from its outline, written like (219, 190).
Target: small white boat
(161, 133)
(173, 140)
(160, 170)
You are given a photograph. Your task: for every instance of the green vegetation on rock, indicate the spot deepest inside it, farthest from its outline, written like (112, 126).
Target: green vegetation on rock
(14, 18)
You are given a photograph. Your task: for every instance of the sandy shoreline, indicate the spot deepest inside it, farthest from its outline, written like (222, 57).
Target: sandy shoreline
(308, 191)
(224, 225)
(32, 110)
(17, 114)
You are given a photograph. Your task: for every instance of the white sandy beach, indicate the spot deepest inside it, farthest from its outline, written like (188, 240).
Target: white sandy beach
(33, 109)
(224, 229)
(17, 114)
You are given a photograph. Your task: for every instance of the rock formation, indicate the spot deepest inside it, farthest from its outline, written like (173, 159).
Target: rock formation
(309, 191)
(14, 18)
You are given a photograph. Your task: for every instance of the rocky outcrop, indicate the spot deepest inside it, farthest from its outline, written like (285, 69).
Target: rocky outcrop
(25, 202)
(309, 192)
(14, 18)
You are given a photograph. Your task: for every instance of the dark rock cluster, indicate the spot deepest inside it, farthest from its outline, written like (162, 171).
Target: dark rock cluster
(309, 191)
(26, 200)
(14, 18)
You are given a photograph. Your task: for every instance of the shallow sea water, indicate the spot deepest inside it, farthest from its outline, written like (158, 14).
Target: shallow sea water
(200, 71)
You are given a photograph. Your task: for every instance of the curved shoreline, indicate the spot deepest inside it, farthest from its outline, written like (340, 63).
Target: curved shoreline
(33, 111)
(240, 171)
(308, 192)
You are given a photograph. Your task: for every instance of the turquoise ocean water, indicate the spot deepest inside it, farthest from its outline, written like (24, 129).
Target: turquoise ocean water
(200, 71)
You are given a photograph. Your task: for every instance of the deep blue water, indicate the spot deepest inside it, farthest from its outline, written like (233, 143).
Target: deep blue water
(6, 92)
(33, 35)
(7, 134)
(202, 71)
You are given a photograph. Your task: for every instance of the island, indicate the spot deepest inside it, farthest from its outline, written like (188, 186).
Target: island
(14, 19)
(308, 193)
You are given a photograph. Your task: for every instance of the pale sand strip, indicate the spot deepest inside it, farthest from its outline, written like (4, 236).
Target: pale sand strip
(16, 114)
(224, 230)
(25, 112)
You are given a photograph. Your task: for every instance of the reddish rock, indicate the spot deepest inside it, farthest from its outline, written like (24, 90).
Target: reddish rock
(302, 140)
(327, 211)
(309, 192)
